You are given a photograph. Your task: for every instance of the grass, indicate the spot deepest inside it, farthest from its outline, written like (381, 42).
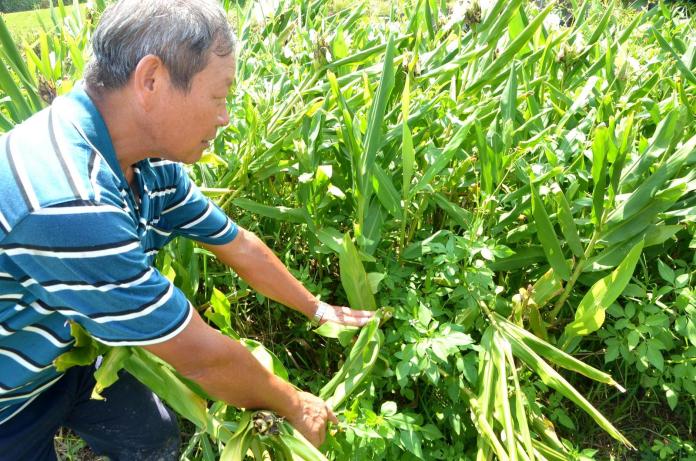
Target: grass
(25, 25)
(69, 447)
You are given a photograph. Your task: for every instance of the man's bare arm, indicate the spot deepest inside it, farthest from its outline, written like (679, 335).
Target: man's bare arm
(227, 371)
(262, 269)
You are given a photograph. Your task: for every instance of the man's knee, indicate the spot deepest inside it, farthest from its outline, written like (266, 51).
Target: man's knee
(165, 440)
(130, 424)
(151, 437)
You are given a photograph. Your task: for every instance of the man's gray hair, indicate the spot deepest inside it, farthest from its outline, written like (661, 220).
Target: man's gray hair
(182, 33)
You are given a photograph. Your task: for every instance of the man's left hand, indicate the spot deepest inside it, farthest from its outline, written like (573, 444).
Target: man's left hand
(345, 315)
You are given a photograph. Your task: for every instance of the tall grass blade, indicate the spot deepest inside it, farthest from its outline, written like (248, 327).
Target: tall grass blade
(373, 135)
(553, 379)
(547, 236)
(686, 72)
(510, 52)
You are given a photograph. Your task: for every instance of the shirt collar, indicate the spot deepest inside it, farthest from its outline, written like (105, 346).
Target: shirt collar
(87, 119)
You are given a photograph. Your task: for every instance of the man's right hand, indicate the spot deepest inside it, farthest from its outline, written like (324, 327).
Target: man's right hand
(311, 418)
(227, 371)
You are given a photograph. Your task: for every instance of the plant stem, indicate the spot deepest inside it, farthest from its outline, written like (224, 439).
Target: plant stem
(579, 267)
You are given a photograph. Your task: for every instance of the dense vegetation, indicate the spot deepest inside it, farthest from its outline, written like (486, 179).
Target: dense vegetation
(10, 6)
(515, 183)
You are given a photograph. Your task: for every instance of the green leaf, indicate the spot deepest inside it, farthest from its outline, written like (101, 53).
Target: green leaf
(344, 333)
(547, 237)
(553, 354)
(599, 171)
(357, 366)
(408, 154)
(281, 213)
(85, 349)
(375, 125)
(655, 356)
(565, 219)
(386, 192)
(659, 143)
(671, 395)
(523, 257)
(552, 378)
(339, 49)
(299, 446)
(458, 214)
(445, 157)
(578, 103)
(267, 358)
(639, 223)
(220, 313)
(602, 26)
(374, 279)
(589, 315)
(545, 288)
(411, 440)
(353, 277)
(160, 378)
(388, 408)
(510, 52)
(644, 196)
(632, 339)
(236, 448)
(686, 72)
(332, 238)
(666, 272)
(659, 233)
(80, 356)
(691, 331)
(107, 373)
(508, 99)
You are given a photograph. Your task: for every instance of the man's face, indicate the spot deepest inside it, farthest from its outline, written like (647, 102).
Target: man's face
(188, 122)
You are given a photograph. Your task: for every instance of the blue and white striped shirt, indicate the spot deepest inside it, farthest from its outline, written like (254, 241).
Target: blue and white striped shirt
(76, 244)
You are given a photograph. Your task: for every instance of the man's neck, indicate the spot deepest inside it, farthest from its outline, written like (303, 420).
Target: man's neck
(126, 127)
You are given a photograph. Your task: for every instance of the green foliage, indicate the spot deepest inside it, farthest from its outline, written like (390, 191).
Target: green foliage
(520, 188)
(10, 6)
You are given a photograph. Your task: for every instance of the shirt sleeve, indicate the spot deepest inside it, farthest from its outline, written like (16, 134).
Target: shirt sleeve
(86, 263)
(191, 214)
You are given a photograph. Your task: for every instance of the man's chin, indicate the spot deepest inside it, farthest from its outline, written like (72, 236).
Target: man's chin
(193, 157)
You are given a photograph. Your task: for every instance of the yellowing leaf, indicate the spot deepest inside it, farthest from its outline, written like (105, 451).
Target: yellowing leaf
(590, 313)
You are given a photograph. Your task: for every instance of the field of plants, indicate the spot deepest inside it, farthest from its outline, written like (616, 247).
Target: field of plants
(511, 184)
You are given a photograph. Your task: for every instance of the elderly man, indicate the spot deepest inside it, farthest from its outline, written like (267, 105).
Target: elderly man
(92, 187)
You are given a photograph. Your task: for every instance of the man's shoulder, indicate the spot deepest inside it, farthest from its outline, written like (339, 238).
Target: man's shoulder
(44, 162)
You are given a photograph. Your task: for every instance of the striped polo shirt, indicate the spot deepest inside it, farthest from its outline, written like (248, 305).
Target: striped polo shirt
(77, 244)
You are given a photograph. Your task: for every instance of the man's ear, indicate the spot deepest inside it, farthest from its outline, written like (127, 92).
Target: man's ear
(149, 79)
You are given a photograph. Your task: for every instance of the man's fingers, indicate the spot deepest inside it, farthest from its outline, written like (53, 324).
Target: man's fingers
(347, 316)
(331, 415)
(356, 312)
(361, 317)
(352, 317)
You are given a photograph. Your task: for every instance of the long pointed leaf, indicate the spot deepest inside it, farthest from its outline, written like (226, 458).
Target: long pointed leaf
(547, 237)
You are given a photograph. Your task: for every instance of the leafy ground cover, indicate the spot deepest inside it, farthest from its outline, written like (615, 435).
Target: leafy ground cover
(514, 182)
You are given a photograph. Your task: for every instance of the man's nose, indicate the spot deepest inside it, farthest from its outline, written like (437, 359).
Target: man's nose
(223, 117)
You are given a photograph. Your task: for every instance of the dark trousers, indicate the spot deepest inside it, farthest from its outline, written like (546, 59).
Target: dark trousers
(130, 424)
